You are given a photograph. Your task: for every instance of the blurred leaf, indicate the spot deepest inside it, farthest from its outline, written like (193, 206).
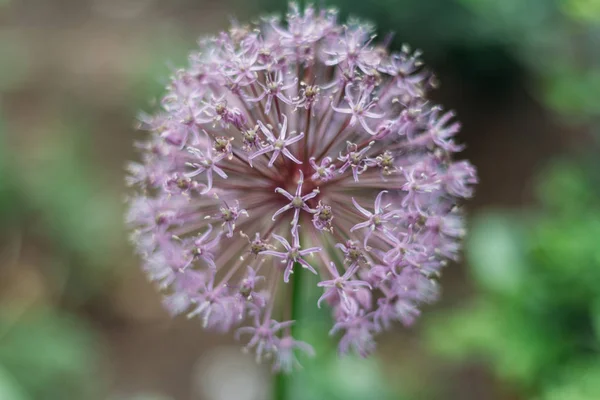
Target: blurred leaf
(516, 345)
(584, 10)
(537, 333)
(595, 315)
(565, 188)
(79, 213)
(574, 91)
(51, 356)
(568, 258)
(578, 382)
(563, 245)
(558, 40)
(9, 388)
(495, 252)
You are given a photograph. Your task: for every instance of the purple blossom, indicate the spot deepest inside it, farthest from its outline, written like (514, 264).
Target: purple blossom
(297, 201)
(385, 161)
(354, 50)
(342, 286)
(420, 182)
(359, 108)
(309, 95)
(167, 266)
(459, 179)
(292, 255)
(353, 254)
(212, 305)
(217, 110)
(406, 251)
(204, 162)
(257, 244)
(181, 184)
(358, 334)
(263, 335)
(404, 67)
(247, 291)
(277, 145)
(203, 247)
(250, 139)
(274, 89)
(324, 171)
(355, 159)
(222, 149)
(242, 67)
(440, 132)
(323, 217)
(376, 220)
(285, 359)
(229, 215)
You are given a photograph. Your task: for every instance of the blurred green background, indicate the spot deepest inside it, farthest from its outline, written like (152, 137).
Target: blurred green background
(519, 318)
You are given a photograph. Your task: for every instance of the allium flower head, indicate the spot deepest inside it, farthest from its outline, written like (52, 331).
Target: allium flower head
(298, 144)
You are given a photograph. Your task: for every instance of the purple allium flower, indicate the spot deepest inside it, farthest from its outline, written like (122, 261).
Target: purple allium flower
(321, 147)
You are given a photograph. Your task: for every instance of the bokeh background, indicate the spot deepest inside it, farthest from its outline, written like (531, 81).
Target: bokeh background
(519, 318)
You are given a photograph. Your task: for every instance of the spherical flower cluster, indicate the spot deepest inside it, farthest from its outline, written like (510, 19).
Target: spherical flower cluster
(298, 144)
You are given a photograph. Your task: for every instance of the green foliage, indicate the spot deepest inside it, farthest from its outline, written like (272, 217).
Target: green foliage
(45, 355)
(78, 213)
(496, 252)
(586, 10)
(557, 39)
(515, 343)
(574, 91)
(579, 382)
(536, 321)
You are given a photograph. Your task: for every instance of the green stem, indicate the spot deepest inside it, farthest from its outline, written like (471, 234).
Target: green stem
(297, 297)
(282, 386)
